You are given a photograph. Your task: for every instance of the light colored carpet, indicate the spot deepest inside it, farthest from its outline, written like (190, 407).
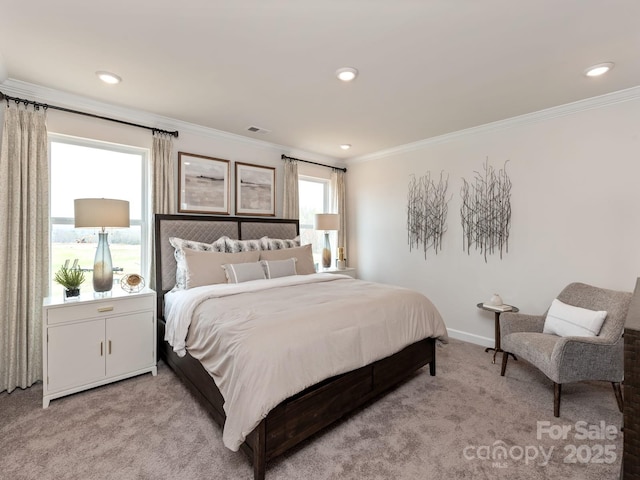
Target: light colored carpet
(439, 427)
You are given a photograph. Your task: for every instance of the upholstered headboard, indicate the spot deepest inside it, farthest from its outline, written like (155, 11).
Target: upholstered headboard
(207, 228)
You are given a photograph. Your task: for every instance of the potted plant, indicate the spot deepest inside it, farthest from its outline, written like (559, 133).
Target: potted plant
(70, 279)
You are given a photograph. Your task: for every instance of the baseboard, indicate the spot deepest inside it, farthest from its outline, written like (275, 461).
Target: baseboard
(470, 337)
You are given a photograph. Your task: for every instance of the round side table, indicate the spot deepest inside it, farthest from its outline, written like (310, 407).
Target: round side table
(496, 318)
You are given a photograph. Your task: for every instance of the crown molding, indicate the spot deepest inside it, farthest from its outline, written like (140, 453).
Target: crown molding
(621, 96)
(40, 94)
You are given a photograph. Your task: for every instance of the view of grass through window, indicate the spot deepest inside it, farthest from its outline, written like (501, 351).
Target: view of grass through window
(90, 169)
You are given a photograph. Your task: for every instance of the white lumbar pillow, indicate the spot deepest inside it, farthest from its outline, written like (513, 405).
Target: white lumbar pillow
(569, 321)
(243, 272)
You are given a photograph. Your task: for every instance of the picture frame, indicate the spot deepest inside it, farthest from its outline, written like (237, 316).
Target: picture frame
(255, 190)
(203, 184)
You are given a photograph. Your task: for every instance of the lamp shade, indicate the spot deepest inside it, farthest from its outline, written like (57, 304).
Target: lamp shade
(327, 221)
(101, 212)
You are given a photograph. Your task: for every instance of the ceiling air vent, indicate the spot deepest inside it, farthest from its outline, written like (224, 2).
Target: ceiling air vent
(255, 129)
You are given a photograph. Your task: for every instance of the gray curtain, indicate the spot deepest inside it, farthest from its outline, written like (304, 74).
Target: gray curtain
(338, 204)
(24, 245)
(291, 206)
(163, 186)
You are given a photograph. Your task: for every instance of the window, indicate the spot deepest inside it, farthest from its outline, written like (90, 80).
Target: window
(314, 198)
(82, 168)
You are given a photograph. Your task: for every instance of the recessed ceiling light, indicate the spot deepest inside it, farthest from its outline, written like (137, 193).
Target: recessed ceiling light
(345, 146)
(599, 69)
(346, 74)
(108, 77)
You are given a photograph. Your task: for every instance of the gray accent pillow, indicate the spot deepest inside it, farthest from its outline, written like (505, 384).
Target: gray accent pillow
(243, 272)
(205, 268)
(279, 268)
(303, 256)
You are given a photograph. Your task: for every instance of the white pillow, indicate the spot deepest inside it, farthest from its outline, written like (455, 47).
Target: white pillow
(279, 268)
(569, 321)
(243, 272)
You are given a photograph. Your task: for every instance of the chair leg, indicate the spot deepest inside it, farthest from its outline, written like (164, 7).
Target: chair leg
(618, 391)
(505, 357)
(557, 390)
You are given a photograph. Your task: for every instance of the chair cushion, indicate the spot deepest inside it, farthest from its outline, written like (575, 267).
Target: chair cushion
(569, 321)
(536, 348)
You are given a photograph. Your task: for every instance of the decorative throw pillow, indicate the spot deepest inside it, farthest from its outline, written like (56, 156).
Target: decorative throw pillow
(569, 321)
(243, 272)
(180, 245)
(279, 268)
(235, 246)
(279, 243)
(205, 268)
(303, 256)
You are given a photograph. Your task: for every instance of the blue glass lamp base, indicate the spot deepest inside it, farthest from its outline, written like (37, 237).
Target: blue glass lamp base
(102, 266)
(326, 252)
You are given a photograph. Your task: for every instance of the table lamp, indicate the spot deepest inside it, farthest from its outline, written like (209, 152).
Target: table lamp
(101, 213)
(327, 222)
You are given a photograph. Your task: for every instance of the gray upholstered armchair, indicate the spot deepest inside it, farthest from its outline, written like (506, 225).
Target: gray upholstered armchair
(571, 359)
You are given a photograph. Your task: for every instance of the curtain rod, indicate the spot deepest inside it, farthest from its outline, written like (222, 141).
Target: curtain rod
(62, 109)
(286, 157)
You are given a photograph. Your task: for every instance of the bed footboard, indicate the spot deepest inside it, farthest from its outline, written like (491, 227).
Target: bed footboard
(306, 413)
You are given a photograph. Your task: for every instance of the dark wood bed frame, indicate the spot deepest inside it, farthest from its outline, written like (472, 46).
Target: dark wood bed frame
(302, 415)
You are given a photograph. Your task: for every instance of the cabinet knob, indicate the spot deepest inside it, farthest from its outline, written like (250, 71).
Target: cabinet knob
(105, 309)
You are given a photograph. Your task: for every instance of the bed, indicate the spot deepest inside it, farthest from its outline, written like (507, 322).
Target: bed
(304, 413)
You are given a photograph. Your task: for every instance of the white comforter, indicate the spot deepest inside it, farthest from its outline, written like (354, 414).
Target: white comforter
(266, 340)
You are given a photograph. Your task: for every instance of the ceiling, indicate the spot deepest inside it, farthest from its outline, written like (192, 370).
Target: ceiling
(427, 67)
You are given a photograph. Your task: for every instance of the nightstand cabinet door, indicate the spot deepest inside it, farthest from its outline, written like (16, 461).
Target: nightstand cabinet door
(128, 343)
(75, 355)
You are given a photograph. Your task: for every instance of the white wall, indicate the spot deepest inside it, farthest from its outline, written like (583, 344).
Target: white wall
(575, 214)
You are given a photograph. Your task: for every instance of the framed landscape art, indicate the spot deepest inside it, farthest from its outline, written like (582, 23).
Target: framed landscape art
(203, 184)
(255, 190)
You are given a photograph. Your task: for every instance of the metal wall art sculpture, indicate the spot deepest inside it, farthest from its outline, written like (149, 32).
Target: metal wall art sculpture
(486, 211)
(427, 212)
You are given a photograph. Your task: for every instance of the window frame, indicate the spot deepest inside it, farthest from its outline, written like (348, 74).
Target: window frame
(326, 192)
(145, 204)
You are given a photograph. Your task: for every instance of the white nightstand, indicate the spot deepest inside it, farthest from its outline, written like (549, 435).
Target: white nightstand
(347, 271)
(94, 341)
